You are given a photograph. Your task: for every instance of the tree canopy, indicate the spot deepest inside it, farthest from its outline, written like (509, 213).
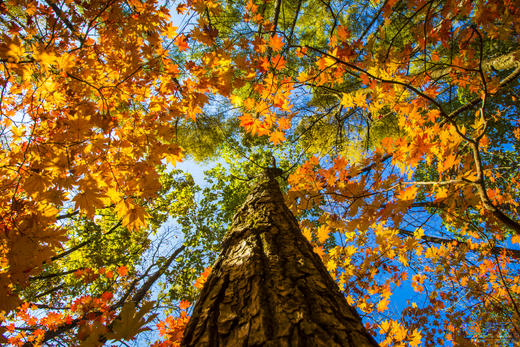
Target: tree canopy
(396, 125)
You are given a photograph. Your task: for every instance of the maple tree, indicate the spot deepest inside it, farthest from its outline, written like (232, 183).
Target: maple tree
(396, 120)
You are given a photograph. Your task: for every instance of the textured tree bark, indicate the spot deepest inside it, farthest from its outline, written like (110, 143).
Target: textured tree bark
(269, 288)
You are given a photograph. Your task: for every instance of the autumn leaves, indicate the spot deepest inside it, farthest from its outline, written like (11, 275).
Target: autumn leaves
(91, 98)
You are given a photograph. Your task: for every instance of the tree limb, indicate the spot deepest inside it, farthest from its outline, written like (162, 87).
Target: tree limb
(137, 297)
(495, 250)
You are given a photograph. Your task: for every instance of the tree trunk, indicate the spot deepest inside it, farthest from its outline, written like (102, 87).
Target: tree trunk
(268, 287)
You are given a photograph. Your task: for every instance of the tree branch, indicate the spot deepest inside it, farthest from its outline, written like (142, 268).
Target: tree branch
(78, 246)
(383, 80)
(495, 250)
(137, 297)
(64, 19)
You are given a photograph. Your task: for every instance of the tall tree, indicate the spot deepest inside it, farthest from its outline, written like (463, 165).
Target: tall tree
(268, 287)
(96, 97)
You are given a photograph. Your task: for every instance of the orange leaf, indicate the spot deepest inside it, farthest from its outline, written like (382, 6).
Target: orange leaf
(181, 8)
(276, 43)
(199, 283)
(184, 304)
(277, 137)
(365, 79)
(122, 271)
(180, 41)
(300, 52)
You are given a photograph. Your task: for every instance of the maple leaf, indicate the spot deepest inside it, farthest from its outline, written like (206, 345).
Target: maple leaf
(448, 162)
(347, 100)
(181, 8)
(323, 233)
(276, 43)
(259, 45)
(174, 154)
(262, 129)
(184, 304)
(399, 332)
(180, 42)
(170, 31)
(199, 283)
(246, 120)
(130, 321)
(284, 123)
(88, 201)
(133, 215)
(408, 193)
(279, 62)
(343, 33)
(382, 304)
(16, 51)
(277, 137)
(415, 338)
(307, 233)
(122, 271)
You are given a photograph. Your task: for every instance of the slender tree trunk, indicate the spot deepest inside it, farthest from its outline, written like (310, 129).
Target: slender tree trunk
(268, 287)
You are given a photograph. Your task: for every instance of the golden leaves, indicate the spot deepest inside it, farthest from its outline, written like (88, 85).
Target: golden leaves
(88, 202)
(408, 194)
(13, 51)
(357, 99)
(133, 215)
(382, 305)
(396, 333)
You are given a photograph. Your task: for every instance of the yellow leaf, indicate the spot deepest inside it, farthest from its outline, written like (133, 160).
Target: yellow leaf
(384, 327)
(134, 216)
(307, 233)
(45, 59)
(415, 339)
(382, 305)
(170, 31)
(15, 51)
(399, 332)
(323, 233)
(88, 201)
(347, 100)
(236, 100)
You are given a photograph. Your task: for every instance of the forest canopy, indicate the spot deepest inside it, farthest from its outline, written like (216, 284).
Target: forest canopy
(395, 123)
